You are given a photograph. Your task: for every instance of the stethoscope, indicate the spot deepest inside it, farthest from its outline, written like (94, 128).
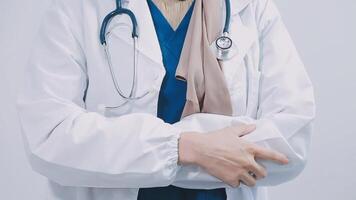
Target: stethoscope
(223, 47)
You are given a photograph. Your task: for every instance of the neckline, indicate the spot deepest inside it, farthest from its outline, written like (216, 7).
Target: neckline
(166, 22)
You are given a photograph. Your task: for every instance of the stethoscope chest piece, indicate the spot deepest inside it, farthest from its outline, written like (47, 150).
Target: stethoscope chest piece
(224, 48)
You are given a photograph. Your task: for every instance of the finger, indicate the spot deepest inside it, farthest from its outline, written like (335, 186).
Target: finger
(268, 154)
(248, 180)
(259, 171)
(244, 129)
(234, 184)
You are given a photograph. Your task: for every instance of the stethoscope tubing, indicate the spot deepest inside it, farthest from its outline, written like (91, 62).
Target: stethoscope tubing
(228, 16)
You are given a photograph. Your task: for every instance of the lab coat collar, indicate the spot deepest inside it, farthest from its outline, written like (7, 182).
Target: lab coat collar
(238, 5)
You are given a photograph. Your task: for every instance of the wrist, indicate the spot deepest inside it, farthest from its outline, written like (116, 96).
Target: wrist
(189, 148)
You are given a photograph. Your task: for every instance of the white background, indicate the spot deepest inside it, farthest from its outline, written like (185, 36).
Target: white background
(325, 34)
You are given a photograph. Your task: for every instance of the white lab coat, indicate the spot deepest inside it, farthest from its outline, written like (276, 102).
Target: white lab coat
(90, 153)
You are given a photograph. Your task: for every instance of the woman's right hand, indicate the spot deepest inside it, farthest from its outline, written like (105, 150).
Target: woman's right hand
(225, 155)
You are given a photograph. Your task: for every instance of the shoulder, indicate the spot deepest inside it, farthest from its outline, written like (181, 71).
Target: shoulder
(258, 6)
(64, 16)
(240, 5)
(70, 8)
(260, 11)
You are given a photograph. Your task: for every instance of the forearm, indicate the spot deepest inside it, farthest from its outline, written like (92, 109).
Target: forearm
(77, 148)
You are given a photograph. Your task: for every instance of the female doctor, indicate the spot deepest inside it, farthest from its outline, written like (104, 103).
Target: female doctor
(133, 105)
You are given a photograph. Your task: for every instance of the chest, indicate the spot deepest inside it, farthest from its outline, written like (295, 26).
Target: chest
(241, 72)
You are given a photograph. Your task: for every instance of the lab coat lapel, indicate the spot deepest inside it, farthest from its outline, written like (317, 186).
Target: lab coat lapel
(148, 43)
(238, 5)
(242, 35)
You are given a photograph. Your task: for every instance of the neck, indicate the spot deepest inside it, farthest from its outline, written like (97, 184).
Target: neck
(173, 10)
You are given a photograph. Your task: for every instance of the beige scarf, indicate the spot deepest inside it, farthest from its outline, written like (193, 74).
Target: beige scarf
(207, 91)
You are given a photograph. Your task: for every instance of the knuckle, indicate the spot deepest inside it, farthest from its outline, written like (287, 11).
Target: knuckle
(231, 180)
(237, 176)
(251, 149)
(253, 183)
(246, 164)
(249, 184)
(249, 166)
(235, 184)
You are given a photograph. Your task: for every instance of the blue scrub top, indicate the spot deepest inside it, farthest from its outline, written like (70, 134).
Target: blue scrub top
(172, 100)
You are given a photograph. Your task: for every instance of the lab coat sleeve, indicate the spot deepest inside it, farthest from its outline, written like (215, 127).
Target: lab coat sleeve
(74, 147)
(285, 110)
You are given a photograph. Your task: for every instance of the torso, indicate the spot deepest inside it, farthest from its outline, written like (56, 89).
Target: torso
(172, 96)
(86, 19)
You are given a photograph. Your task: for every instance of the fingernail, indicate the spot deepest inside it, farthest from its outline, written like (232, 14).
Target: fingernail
(286, 160)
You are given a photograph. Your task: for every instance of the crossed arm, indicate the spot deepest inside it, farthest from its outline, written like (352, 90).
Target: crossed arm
(75, 147)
